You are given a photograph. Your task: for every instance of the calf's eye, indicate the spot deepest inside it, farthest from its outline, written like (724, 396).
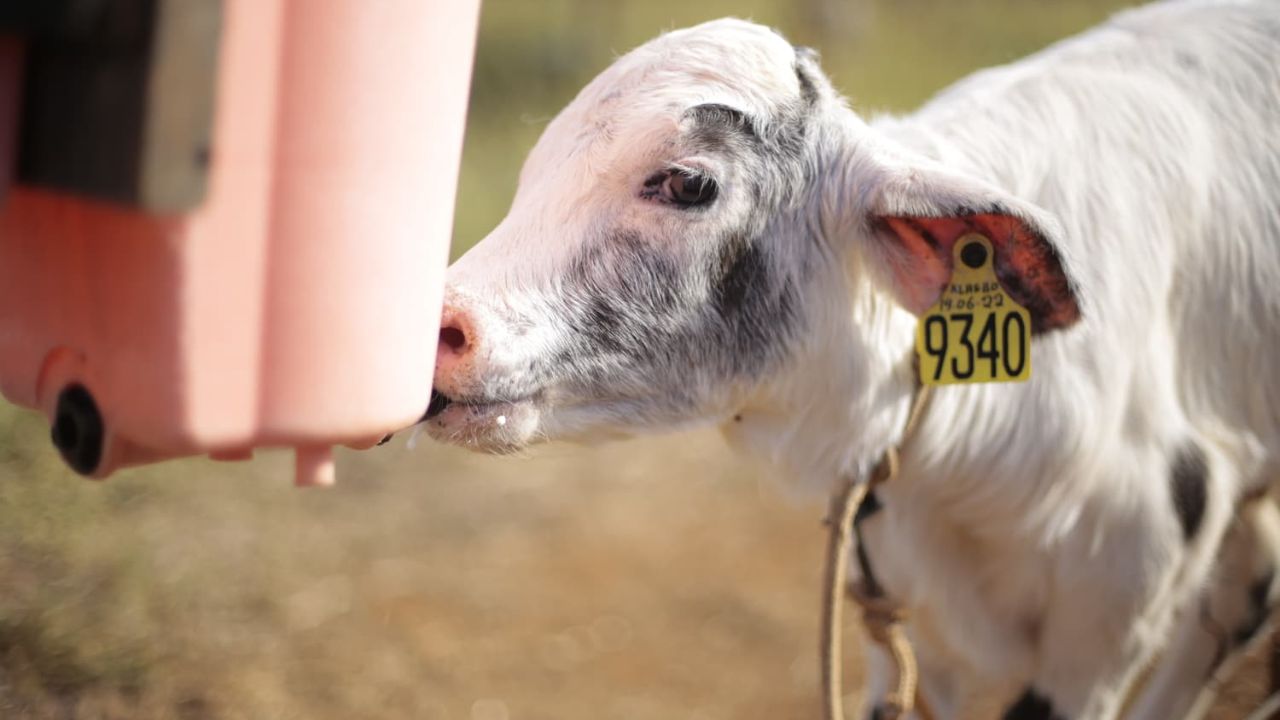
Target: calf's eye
(681, 188)
(688, 190)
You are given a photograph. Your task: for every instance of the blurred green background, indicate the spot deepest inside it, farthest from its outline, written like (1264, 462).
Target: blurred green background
(653, 579)
(886, 55)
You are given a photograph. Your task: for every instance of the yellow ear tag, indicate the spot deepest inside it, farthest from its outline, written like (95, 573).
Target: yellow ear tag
(975, 333)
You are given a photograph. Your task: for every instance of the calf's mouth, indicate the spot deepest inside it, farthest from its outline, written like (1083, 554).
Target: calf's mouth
(439, 402)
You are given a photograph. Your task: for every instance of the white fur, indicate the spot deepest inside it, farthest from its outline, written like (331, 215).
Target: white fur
(1031, 531)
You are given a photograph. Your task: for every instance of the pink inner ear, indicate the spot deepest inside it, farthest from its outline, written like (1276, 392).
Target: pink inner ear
(1025, 263)
(925, 270)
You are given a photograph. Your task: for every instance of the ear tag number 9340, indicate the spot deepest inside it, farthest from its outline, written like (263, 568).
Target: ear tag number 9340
(975, 333)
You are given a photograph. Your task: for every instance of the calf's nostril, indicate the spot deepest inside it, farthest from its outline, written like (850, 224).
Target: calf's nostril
(454, 338)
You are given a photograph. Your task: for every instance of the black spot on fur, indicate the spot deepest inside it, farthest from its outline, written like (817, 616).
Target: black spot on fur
(641, 317)
(1188, 478)
(623, 292)
(741, 267)
(718, 127)
(808, 88)
(1031, 706)
(877, 713)
(753, 307)
(603, 322)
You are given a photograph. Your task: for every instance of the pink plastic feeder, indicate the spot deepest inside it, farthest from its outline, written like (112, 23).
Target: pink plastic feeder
(264, 267)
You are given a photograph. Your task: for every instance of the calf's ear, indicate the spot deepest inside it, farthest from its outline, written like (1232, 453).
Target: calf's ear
(918, 211)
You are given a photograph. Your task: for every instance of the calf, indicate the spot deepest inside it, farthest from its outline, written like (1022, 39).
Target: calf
(708, 234)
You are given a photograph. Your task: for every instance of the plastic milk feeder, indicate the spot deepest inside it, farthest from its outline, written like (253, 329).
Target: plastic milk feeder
(234, 237)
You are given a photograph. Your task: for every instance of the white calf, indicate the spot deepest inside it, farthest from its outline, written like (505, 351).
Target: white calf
(709, 234)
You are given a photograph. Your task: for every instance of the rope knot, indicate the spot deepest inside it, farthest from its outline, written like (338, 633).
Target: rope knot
(882, 617)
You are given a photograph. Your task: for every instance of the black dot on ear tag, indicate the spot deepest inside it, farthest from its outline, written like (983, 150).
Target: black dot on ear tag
(973, 255)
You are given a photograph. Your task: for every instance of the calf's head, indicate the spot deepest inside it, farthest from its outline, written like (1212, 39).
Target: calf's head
(679, 230)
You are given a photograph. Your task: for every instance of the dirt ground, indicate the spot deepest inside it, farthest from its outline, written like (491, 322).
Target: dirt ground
(649, 580)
